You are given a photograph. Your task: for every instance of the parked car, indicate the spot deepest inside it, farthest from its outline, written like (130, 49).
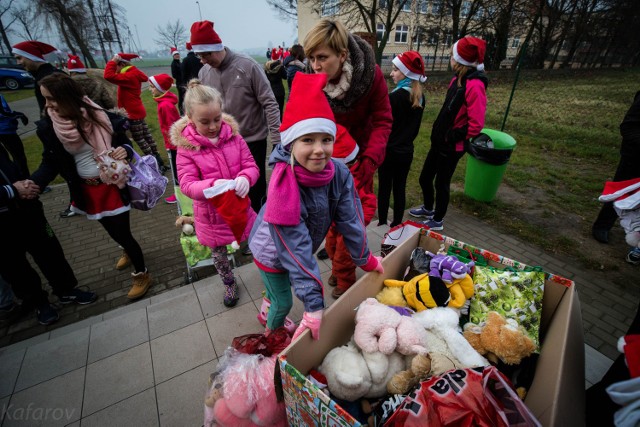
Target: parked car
(15, 79)
(8, 61)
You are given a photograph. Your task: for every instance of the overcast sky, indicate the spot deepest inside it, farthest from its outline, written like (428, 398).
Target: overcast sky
(241, 24)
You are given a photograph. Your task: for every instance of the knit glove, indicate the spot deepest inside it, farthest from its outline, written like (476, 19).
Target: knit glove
(373, 263)
(363, 172)
(242, 186)
(312, 321)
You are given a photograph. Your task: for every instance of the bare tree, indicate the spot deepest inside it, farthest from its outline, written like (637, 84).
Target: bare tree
(287, 9)
(6, 19)
(31, 22)
(172, 34)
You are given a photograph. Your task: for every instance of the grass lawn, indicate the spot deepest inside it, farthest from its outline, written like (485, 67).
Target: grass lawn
(17, 95)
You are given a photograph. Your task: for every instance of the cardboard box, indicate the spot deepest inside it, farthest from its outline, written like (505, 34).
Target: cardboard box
(556, 396)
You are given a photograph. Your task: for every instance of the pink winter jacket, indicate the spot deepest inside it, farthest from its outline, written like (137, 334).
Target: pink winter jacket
(472, 112)
(200, 164)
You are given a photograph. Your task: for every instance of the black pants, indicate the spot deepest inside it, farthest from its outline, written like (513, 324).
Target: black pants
(439, 166)
(392, 175)
(27, 230)
(258, 193)
(14, 146)
(172, 158)
(181, 92)
(119, 228)
(628, 168)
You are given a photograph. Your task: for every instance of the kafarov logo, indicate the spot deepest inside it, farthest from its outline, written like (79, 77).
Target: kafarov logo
(36, 413)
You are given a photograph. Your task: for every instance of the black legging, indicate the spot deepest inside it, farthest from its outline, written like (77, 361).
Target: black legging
(393, 174)
(439, 165)
(119, 229)
(258, 192)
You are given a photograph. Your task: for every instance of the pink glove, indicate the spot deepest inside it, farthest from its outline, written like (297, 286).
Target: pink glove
(242, 186)
(373, 263)
(311, 321)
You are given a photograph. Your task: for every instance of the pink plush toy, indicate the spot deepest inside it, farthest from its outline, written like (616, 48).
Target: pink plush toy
(448, 267)
(381, 328)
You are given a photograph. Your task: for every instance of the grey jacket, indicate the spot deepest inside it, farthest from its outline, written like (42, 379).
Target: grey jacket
(291, 248)
(247, 95)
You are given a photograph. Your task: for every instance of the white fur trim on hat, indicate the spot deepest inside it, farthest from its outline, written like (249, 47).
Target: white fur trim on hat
(207, 47)
(153, 80)
(77, 70)
(27, 55)
(404, 70)
(350, 157)
(303, 127)
(459, 59)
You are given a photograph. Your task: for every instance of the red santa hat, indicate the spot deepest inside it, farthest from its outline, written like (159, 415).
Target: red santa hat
(127, 57)
(33, 50)
(411, 65)
(174, 50)
(188, 46)
(75, 65)
(308, 110)
(345, 149)
(230, 207)
(469, 51)
(204, 38)
(162, 82)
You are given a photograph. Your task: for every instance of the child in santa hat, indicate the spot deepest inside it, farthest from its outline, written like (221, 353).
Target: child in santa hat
(407, 106)
(212, 154)
(307, 192)
(160, 87)
(129, 79)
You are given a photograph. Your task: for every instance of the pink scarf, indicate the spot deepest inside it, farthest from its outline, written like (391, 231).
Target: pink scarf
(98, 136)
(283, 203)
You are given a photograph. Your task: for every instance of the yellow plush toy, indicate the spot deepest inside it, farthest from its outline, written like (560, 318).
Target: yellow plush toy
(424, 291)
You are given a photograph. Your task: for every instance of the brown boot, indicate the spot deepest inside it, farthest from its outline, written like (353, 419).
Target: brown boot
(333, 281)
(141, 283)
(123, 262)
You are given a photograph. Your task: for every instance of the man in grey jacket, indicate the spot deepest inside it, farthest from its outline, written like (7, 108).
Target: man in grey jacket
(246, 93)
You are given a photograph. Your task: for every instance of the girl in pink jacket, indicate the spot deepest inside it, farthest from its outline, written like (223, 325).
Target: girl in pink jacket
(211, 153)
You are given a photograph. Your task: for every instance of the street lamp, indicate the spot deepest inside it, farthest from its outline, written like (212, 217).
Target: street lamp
(199, 11)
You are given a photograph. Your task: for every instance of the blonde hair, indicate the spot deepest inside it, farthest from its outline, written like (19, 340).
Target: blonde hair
(416, 94)
(326, 32)
(460, 70)
(200, 94)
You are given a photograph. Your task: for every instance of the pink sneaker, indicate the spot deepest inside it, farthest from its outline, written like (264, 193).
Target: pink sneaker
(262, 317)
(171, 199)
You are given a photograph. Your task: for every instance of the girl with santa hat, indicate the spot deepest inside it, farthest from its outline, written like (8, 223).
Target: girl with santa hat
(308, 190)
(461, 119)
(213, 159)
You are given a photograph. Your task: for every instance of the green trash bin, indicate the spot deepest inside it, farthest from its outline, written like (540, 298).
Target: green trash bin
(489, 154)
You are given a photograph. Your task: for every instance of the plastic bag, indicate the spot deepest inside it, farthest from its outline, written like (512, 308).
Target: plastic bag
(270, 345)
(146, 184)
(464, 398)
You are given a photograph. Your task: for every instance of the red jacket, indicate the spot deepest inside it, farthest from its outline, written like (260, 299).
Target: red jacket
(167, 116)
(129, 82)
(369, 121)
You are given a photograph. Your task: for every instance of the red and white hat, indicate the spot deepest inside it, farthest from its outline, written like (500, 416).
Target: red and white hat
(128, 56)
(33, 50)
(162, 82)
(188, 46)
(470, 51)
(174, 50)
(345, 149)
(75, 65)
(204, 38)
(308, 110)
(411, 64)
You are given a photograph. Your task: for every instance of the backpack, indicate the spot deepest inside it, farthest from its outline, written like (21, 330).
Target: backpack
(146, 184)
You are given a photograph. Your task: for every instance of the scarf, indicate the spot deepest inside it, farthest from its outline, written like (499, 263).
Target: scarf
(98, 135)
(283, 203)
(339, 90)
(404, 84)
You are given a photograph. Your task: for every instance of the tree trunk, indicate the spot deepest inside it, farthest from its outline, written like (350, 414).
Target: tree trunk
(95, 23)
(5, 39)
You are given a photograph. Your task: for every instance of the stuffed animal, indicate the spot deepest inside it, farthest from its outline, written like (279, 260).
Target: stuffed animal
(214, 393)
(426, 291)
(448, 267)
(381, 328)
(499, 338)
(347, 373)
(419, 368)
(185, 223)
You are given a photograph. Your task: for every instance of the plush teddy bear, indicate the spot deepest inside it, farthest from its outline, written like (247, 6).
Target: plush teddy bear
(346, 371)
(426, 291)
(418, 369)
(381, 328)
(448, 267)
(185, 223)
(499, 338)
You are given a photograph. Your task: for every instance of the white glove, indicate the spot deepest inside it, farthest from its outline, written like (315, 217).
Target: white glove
(242, 186)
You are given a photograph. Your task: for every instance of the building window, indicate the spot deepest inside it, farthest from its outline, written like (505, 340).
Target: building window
(447, 39)
(464, 10)
(423, 6)
(406, 7)
(436, 7)
(402, 32)
(382, 4)
(479, 13)
(515, 43)
(330, 7)
(433, 38)
(379, 31)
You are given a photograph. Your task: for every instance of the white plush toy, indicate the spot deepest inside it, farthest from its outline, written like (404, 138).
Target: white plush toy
(382, 369)
(347, 374)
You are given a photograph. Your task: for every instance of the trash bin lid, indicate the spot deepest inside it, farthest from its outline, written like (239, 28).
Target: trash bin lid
(501, 140)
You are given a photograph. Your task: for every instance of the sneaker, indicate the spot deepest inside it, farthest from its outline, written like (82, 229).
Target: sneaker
(421, 212)
(123, 262)
(633, 257)
(289, 324)
(140, 286)
(171, 199)
(67, 213)
(434, 225)
(600, 234)
(47, 314)
(79, 297)
(322, 254)
(231, 294)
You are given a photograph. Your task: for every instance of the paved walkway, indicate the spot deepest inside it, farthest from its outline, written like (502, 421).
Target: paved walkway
(147, 363)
